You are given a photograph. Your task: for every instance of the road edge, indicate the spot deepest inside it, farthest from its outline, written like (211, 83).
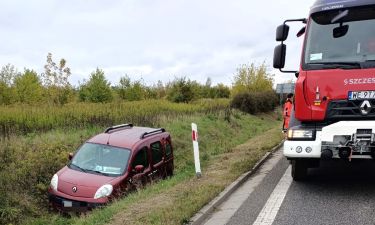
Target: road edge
(203, 213)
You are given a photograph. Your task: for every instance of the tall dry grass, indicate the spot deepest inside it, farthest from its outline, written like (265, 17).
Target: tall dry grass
(24, 119)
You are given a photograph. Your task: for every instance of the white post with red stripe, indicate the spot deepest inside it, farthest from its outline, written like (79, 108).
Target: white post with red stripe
(194, 136)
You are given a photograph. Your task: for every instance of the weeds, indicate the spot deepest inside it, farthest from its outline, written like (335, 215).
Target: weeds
(24, 119)
(27, 162)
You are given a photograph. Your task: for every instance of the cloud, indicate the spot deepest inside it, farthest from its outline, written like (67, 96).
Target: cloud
(153, 39)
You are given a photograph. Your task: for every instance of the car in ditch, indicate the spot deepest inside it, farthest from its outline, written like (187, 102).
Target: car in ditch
(119, 160)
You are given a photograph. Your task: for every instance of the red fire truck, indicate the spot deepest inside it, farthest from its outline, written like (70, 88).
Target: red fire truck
(334, 108)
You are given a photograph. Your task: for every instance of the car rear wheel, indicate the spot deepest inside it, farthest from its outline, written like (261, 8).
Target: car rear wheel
(170, 168)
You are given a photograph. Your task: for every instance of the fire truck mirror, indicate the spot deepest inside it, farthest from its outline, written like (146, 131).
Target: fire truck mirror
(301, 32)
(279, 56)
(282, 32)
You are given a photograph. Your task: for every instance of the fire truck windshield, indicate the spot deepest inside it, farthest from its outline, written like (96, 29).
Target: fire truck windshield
(341, 39)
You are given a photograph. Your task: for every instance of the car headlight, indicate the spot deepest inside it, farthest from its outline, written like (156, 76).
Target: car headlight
(104, 191)
(300, 134)
(54, 182)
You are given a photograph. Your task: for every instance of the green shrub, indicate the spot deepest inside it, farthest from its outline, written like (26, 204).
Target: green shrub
(181, 90)
(97, 89)
(255, 102)
(132, 90)
(252, 78)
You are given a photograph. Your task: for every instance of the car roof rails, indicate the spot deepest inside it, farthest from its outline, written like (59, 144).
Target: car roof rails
(145, 134)
(127, 125)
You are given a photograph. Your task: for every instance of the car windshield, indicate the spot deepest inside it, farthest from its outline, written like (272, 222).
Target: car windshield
(100, 159)
(341, 39)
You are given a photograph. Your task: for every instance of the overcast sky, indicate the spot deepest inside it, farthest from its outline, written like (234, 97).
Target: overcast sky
(152, 39)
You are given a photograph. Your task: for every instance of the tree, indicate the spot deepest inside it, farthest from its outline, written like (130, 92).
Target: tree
(55, 79)
(7, 74)
(28, 87)
(97, 89)
(123, 86)
(137, 91)
(131, 91)
(160, 90)
(208, 82)
(205, 90)
(251, 78)
(6, 94)
(56, 74)
(220, 91)
(181, 90)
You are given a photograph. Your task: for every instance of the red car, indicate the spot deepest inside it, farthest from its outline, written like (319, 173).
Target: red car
(110, 164)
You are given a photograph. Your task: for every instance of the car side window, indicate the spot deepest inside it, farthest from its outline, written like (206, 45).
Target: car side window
(141, 158)
(157, 152)
(168, 148)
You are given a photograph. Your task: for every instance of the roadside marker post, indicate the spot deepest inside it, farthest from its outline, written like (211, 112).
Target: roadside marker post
(194, 137)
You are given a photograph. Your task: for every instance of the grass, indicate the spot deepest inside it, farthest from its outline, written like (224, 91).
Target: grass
(26, 166)
(35, 142)
(175, 200)
(180, 202)
(24, 119)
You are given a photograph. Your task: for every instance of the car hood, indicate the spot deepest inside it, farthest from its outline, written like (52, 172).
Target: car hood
(80, 184)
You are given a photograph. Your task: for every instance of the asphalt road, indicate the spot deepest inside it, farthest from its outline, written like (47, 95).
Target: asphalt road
(335, 193)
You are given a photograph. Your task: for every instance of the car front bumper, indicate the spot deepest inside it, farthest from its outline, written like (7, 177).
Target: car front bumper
(66, 205)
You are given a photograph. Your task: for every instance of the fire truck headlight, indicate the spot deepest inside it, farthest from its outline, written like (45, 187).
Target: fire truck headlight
(299, 134)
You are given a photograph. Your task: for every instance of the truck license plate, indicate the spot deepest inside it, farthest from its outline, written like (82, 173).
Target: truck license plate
(358, 95)
(67, 203)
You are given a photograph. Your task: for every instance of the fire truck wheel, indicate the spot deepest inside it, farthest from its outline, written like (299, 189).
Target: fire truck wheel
(299, 169)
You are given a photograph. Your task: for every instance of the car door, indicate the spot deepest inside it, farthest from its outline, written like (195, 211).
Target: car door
(141, 157)
(157, 160)
(169, 165)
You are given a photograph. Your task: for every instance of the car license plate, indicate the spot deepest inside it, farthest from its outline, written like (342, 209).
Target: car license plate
(67, 204)
(358, 95)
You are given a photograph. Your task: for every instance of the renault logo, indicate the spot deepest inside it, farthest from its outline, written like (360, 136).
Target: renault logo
(74, 189)
(365, 107)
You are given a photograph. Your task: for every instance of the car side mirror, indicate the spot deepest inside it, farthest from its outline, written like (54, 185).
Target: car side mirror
(279, 56)
(70, 156)
(139, 168)
(282, 32)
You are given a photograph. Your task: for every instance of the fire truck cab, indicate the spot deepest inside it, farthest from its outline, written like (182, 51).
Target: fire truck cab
(334, 107)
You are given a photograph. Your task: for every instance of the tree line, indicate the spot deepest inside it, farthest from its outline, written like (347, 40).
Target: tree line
(52, 86)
